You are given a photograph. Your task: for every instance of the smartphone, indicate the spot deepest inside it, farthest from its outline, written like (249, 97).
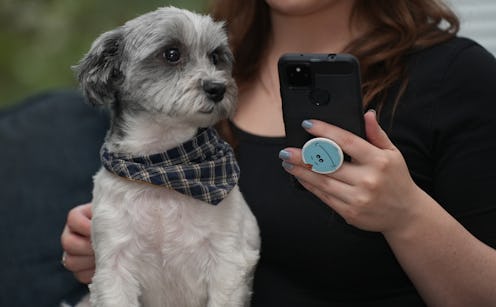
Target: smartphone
(320, 86)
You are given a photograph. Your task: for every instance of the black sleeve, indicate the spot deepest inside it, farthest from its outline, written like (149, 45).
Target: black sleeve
(465, 147)
(49, 148)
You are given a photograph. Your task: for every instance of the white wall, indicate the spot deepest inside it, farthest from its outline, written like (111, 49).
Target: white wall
(478, 21)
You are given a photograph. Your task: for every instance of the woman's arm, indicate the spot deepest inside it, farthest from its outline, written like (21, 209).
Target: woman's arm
(375, 192)
(446, 263)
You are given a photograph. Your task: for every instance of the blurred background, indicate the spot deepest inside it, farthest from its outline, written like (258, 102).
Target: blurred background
(41, 39)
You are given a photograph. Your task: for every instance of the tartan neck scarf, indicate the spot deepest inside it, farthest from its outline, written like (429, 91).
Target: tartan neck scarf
(203, 167)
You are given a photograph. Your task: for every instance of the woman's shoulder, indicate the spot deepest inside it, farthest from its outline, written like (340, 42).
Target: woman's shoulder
(457, 42)
(451, 48)
(455, 81)
(461, 53)
(451, 66)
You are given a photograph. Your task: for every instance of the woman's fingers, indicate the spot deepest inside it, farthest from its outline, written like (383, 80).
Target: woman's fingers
(76, 236)
(85, 276)
(79, 263)
(78, 254)
(328, 184)
(79, 220)
(76, 244)
(375, 135)
(359, 149)
(346, 173)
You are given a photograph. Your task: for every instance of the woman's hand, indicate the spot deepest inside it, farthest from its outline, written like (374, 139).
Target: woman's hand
(373, 192)
(76, 241)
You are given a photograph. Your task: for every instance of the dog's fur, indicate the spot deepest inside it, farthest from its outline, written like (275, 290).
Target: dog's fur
(155, 246)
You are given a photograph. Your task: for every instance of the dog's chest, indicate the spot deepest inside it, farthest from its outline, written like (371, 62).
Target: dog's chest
(176, 245)
(173, 221)
(161, 219)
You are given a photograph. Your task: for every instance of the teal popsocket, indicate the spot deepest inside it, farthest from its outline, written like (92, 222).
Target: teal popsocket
(322, 155)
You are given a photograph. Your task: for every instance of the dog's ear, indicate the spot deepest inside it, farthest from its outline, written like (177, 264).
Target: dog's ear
(99, 72)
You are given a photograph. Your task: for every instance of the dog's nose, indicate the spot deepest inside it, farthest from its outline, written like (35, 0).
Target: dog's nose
(215, 90)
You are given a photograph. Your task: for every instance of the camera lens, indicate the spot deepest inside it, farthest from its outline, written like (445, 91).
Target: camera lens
(299, 75)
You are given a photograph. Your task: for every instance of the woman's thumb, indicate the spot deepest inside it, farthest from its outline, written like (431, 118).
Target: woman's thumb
(375, 135)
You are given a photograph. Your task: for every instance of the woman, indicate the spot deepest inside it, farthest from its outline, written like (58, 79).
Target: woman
(410, 220)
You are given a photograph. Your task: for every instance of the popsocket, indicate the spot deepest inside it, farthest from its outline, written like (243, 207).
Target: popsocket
(322, 155)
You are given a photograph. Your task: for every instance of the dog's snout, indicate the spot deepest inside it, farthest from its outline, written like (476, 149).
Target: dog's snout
(215, 90)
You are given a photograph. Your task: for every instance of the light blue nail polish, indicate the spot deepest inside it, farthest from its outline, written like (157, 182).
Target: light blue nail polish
(307, 124)
(284, 155)
(287, 165)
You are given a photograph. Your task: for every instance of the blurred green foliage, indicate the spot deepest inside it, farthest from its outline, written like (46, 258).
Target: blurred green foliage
(41, 39)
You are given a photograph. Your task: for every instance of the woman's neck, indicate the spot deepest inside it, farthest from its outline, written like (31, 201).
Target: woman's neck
(327, 30)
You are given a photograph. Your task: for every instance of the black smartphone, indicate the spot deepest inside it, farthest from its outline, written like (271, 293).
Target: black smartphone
(320, 86)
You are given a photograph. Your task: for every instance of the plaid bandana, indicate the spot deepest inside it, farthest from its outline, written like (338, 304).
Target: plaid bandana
(203, 167)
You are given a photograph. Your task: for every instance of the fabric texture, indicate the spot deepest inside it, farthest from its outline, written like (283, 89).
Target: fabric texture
(203, 167)
(49, 152)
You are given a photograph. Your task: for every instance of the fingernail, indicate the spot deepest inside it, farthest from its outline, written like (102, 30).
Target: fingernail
(307, 124)
(287, 165)
(373, 111)
(284, 155)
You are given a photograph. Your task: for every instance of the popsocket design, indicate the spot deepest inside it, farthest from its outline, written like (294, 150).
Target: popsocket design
(322, 155)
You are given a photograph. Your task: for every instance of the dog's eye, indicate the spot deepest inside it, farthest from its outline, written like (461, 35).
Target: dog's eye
(214, 57)
(172, 55)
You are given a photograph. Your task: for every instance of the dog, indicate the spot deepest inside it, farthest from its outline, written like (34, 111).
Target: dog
(160, 237)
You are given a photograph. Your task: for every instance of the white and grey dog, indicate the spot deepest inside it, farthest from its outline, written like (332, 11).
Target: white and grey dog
(166, 77)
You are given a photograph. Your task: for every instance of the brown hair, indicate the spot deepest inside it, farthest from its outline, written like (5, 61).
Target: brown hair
(397, 28)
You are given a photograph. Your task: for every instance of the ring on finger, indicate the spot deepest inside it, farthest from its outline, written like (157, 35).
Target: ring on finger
(64, 258)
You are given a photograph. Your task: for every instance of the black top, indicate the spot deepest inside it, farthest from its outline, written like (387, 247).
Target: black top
(445, 127)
